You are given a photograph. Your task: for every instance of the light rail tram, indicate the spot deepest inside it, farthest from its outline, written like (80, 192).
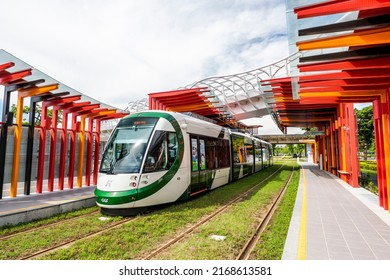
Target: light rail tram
(159, 157)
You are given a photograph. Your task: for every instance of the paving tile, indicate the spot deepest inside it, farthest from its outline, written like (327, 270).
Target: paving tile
(340, 256)
(339, 225)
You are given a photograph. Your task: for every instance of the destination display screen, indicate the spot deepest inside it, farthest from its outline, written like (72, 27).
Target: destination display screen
(141, 121)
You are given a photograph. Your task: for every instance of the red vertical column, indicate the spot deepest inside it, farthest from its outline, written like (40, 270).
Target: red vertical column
(152, 104)
(333, 149)
(45, 121)
(96, 153)
(72, 148)
(53, 148)
(64, 134)
(89, 152)
(380, 160)
(328, 150)
(321, 149)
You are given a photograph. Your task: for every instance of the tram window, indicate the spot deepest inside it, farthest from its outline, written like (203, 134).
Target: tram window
(211, 157)
(202, 154)
(194, 154)
(223, 153)
(239, 153)
(172, 148)
(162, 152)
(249, 153)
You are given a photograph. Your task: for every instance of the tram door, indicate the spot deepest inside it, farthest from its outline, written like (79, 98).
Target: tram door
(198, 166)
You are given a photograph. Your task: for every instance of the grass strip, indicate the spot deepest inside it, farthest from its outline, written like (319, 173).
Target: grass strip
(271, 242)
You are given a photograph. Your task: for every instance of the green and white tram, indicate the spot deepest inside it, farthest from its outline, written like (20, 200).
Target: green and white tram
(158, 157)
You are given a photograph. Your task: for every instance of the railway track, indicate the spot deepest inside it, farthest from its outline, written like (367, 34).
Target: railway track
(70, 242)
(207, 218)
(252, 241)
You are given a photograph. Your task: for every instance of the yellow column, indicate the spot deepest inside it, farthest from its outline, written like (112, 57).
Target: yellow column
(81, 153)
(18, 130)
(343, 159)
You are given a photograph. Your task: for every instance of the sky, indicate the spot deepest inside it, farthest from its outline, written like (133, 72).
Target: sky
(119, 51)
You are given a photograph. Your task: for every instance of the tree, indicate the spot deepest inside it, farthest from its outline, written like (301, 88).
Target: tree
(365, 123)
(26, 110)
(38, 113)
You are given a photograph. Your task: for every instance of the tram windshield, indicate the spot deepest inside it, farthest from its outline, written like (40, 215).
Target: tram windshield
(126, 148)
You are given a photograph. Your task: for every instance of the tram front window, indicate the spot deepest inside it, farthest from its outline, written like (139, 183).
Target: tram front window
(126, 148)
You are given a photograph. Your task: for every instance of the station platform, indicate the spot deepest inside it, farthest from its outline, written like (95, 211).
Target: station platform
(26, 208)
(334, 221)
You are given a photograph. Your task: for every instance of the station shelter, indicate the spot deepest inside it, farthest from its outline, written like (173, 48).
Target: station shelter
(342, 63)
(64, 144)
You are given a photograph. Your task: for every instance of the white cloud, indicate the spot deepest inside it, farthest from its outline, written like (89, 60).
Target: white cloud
(118, 51)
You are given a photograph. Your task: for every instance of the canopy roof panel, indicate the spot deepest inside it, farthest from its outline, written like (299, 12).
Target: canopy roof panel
(14, 72)
(348, 62)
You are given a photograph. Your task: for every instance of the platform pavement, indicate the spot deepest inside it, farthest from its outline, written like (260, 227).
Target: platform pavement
(25, 208)
(334, 221)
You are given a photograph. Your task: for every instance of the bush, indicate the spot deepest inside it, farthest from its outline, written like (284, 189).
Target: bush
(370, 165)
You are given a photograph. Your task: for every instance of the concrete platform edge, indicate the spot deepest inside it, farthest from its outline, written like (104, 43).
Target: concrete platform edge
(290, 250)
(45, 212)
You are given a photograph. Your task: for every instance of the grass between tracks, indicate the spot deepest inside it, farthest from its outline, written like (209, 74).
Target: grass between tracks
(235, 226)
(136, 239)
(271, 242)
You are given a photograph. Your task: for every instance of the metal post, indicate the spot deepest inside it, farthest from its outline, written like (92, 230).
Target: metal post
(30, 140)
(7, 119)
